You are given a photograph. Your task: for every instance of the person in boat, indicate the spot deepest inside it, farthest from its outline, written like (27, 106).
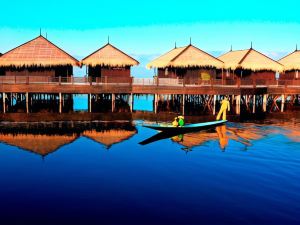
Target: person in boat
(175, 122)
(225, 105)
(181, 121)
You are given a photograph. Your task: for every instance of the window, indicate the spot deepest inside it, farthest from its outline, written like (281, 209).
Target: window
(297, 74)
(166, 72)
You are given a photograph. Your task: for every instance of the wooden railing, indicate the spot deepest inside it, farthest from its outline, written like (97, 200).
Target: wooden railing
(145, 81)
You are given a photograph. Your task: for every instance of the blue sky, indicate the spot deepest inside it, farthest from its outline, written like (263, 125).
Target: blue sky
(146, 29)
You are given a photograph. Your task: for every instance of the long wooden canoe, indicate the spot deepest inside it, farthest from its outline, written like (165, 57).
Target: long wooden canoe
(185, 128)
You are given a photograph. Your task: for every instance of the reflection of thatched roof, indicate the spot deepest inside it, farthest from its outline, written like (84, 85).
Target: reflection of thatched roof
(40, 144)
(109, 137)
(184, 57)
(249, 59)
(291, 61)
(37, 52)
(109, 55)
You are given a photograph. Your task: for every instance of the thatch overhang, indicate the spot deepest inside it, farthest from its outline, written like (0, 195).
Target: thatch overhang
(291, 61)
(186, 57)
(38, 52)
(41, 144)
(109, 56)
(109, 137)
(250, 59)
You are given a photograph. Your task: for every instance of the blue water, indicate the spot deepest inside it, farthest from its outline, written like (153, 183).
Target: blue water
(253, 180)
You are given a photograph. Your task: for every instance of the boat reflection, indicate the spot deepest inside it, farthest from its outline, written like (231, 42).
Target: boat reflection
(242, 134)
(44, 138)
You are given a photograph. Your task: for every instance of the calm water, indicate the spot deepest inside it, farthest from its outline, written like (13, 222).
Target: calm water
(98, 173)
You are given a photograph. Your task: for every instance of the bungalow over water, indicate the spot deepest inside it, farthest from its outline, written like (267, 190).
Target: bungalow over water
(291, 64)
(37, 57)
(250, 64)
(109, 63)
(189, 63)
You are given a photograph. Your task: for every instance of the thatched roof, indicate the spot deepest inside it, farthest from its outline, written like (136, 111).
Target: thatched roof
(249, 59)
(109, 55)
(184, 57)
(291, 61)
(109, 137)
(37, 52)
(40, 144)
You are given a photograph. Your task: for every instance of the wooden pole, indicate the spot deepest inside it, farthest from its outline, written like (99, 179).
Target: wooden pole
(282, 102)
(60, 106)
(264, 103)
(90, 102)
(214, 109)
(254, 104)
(4, 105)
(155, 103)
(183, 104)
(27, 102)
(113, 97)
(131, 102)
(238, 104)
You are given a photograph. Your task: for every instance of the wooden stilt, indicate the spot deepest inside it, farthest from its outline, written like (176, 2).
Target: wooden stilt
(282, 102)
(265, 103)
(155, 103)
(183, 104)
(90, 102)
(131, 102)
(215, 100)
(60, 105)
(253, 104)
(113, 98)
(4, 105)
(238, 104)
(27, 102)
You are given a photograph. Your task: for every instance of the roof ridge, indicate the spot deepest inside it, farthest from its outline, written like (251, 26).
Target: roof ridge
(207, 53)
(291, 53)
(244, 57)
(182, 51)
(267, 57)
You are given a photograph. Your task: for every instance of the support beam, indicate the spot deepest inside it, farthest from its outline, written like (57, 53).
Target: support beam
(4, 105)
(131, 102)
(238, 104)
(60, 103)
(113, 99)
(282, 102)
(27, 102)
(183, 104)
(254, 103)
(155, 103)
(90, 102)
(215, 100)
(265, 103)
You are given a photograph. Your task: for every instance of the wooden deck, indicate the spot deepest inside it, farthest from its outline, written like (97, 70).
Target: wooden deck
(82, 85)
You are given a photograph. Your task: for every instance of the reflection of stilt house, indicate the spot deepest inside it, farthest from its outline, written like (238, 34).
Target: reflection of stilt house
(41, 144)
(249, 64)
(109, 63)
(38, 57)
(189, 63)
(291, 64)
(109, 137)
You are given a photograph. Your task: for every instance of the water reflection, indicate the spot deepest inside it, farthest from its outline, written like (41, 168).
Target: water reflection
(243, 134)
(44, 138)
